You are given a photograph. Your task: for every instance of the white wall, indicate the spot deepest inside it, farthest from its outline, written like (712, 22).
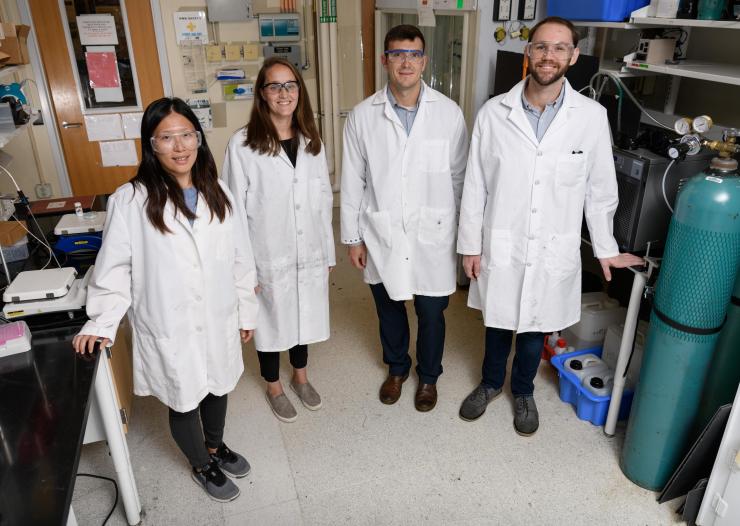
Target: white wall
(485, 66)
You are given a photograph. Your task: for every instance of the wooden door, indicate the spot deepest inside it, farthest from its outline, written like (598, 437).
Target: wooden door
(87, 175)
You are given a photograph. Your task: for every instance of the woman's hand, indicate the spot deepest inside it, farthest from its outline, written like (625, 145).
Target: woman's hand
(246, 335)
(85, 343)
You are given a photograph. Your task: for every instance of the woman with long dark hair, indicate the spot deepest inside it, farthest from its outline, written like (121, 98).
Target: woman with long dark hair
(276, 168)
(176, 256)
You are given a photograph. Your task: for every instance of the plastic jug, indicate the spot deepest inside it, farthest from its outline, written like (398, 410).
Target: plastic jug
(585, 365)
(599, 384)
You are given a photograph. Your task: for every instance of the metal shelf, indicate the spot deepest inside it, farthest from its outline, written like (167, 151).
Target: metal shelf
(684, 22)
(608, 25)
(695, 69)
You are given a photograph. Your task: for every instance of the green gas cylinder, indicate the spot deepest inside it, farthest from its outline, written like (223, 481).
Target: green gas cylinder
(701, 260)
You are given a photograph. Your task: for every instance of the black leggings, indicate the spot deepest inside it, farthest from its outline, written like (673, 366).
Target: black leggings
(187, 432)
(270, 361)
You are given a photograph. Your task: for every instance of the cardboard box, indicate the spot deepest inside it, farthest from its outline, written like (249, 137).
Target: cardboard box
(11, 232)
(13, 42)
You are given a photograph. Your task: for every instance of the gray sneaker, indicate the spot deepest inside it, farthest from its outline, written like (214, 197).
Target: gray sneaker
(215, 483)
(526, 417)
(475, 404)
(307, 394)
(281, 406)
(231, 462)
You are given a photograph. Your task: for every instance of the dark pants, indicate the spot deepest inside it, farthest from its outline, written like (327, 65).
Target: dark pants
(270, 361)
(394, 334)
(526, 360)
(188, 434)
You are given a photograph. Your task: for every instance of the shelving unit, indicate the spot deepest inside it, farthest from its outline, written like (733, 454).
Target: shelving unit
(695, 69)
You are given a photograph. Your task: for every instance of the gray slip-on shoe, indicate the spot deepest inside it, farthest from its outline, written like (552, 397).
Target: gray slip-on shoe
(476, 402)
(307, 394)
(526, 416)
(281, 406)
(215, 484)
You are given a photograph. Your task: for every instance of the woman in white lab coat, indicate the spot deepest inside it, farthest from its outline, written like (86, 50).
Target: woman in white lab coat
(176, 256)
(276, 168)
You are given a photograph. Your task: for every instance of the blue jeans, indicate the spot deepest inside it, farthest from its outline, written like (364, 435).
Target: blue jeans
(526, 361)
(394, 334)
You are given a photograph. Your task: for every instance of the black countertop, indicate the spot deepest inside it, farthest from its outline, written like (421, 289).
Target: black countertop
(45, 396)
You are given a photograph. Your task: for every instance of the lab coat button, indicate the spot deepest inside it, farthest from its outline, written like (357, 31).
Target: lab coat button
(299, 232)
(529, 264)
(295, 179)
(199, 329)
(537, 182)
(534, 210)
(539, 153)
(198, 298)
(297, 206)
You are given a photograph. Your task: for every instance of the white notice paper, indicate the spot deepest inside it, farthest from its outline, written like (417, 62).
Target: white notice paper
(119, 153)
(103, 127)
(191, 26)
(425, 10)
(97, 30)
(132, 125)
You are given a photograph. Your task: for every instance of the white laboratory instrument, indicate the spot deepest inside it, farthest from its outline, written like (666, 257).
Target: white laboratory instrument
(40, 284)
(74, 299)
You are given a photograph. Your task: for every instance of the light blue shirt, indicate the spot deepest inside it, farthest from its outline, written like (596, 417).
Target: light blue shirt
(541, 120)
(406, 115)
(191, 200)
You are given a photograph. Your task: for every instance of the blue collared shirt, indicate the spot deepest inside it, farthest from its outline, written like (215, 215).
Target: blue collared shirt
(406, 115)
(541, 120)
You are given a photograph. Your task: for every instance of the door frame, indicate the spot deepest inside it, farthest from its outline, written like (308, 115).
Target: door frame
(45, 99)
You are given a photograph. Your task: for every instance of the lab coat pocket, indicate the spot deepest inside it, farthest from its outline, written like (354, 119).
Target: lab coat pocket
(223, 240)
(378, 229)
(437, 225)
(499, 248)
(159, 361)
(435, 155)
(570, 169)
(563, 255)
(314, 193)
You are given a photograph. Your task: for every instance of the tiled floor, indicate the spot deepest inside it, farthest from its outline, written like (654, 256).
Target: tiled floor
(359, 462)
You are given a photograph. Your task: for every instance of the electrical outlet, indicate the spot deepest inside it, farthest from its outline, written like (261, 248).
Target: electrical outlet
(43, 190)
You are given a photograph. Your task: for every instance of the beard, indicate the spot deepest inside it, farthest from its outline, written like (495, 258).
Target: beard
(553, 78)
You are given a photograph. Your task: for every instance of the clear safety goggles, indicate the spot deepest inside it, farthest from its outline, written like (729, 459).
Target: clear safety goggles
(559, 50)
(165, 143)
(399, 55)
(273, 88)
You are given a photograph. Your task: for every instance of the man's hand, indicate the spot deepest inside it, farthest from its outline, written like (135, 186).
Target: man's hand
(246, 334)
(471, 266)
(358, 255)
(620, 261)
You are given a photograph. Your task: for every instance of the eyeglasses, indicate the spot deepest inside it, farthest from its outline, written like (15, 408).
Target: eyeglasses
(165, 143)
(273, 88)
(399, 55)
(558, 50)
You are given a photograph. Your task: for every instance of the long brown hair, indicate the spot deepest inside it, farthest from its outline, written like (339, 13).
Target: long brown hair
(160, 185)
(260, 132)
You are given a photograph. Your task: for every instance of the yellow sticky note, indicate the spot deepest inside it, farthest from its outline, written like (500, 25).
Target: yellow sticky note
(233, 52)
(251, 51)
(213, 53)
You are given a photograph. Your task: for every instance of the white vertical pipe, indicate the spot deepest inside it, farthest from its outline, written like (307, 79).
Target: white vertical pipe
(335, 124)
(625, 348)
(325, 87)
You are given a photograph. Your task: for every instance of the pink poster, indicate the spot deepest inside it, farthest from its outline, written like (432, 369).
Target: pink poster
(102, 69)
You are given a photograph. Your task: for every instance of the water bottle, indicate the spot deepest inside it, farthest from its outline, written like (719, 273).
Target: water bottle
(78, 210)
(561, 347)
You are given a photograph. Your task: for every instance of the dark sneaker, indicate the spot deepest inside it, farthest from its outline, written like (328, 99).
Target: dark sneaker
(215, 483)
(526, 417)
(230, 462)
(475, 404)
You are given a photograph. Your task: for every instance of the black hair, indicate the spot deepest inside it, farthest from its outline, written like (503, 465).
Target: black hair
(404, 32)
(160, 185)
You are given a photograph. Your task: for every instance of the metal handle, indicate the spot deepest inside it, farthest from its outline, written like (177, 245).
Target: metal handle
(66, 124)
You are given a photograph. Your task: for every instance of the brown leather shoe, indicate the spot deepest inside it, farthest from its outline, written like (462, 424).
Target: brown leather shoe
(426, 397)
(390, 391)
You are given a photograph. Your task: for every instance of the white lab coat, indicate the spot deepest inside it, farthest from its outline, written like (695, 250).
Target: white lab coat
(288, 211)
(401, 194)
(189, 293)
(523, 206)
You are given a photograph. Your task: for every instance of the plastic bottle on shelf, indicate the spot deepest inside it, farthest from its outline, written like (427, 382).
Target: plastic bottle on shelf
(78, 209)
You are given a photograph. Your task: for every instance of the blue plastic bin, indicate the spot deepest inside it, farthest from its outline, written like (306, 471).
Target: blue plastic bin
(588, 406)
(602, 10)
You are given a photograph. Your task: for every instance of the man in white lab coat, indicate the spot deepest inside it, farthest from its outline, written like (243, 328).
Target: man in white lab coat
(540, 155)
(405, 149)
